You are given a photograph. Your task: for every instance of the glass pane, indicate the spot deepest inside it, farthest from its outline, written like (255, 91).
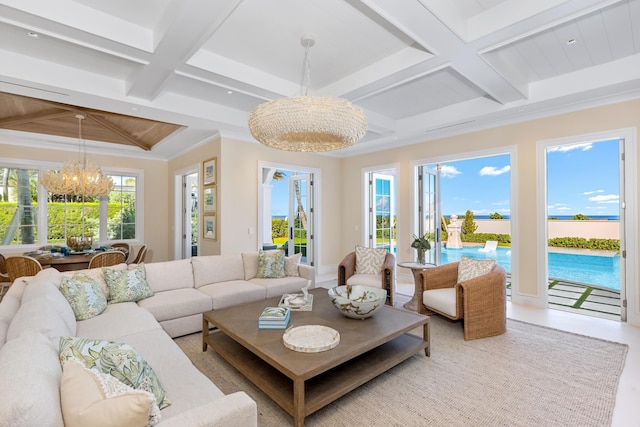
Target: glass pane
(18, 206)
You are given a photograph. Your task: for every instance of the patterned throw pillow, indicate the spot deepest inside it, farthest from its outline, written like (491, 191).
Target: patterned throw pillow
(369, 260)
(89, 397)
(127, 285)
(271, 264)
(121, 361)
(84, 295)
(291, 265)
(470, 268)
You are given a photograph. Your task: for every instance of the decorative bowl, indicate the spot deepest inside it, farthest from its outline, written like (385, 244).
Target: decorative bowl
(79, 244)
(357, 301)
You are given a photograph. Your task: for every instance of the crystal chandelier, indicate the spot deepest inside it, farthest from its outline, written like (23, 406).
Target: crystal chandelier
(308, 123)
(79, 178)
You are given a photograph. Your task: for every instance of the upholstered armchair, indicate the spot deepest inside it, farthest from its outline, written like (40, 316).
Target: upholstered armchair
(347, 274)
(480, 301)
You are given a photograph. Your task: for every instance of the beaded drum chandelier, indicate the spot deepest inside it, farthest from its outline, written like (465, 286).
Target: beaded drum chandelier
(308, 123)
(79, 178)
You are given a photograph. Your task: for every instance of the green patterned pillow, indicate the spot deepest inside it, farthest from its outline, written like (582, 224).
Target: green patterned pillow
(127, 285)
(271, 264)
(84, 295)
(121, 361)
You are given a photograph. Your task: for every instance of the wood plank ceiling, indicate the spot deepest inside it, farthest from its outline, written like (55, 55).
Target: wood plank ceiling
(26, 114)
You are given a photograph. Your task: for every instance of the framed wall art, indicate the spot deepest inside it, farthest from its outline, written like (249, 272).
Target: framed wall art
(209, 227)
(209, 171)
(209, 199)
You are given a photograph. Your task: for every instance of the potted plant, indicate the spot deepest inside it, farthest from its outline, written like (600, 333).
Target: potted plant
(422, 245)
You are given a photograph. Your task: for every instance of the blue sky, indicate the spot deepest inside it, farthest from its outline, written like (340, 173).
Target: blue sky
(582, 179)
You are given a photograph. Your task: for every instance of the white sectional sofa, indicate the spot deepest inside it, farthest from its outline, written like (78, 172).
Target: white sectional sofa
(34, 314)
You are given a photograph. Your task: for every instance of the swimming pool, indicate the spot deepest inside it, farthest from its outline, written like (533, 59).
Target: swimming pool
(594, 270)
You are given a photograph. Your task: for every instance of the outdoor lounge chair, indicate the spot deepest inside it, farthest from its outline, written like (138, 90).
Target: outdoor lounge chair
(489, 246)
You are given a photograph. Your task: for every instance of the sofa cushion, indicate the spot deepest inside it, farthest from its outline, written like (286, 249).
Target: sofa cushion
(30, 382)
(270, 264)
(277, 287)
(116, 321)
(127, 285)
(216, 268)
(291, 265)
(44, 310)
(250, 264)
(369, 260)
(168, 275)
(469, 268)
(119, 360)
(176, 304)
(84, 295)
(185, 385)
(233, 293)
(365, 280)
(89, 397)
(443, 300)
(97, 275)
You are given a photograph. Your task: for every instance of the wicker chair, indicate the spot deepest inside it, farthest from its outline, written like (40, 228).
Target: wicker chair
(142, 252)
(386, 279)
(480, 302)
(4, 277)
(126, 248)
(107, 259)
(20, 266)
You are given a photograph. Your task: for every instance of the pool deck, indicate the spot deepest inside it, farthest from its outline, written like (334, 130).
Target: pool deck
(581, 298)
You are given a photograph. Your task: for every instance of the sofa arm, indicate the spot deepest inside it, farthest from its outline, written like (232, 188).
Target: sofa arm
(235, 410)
(346, 268)
(308, 272)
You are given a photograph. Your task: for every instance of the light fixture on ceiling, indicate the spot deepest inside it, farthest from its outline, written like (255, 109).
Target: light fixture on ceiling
(79, 178)
(308, 123)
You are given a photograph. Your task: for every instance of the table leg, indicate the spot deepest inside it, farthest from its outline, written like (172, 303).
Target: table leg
(426, 335)
(413, 302)
(298, 403)
(205, 333)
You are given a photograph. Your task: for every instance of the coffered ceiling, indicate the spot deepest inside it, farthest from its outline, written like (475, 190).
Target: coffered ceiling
(420, 69)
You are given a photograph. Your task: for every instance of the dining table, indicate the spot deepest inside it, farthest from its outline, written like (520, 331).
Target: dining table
(70, 262)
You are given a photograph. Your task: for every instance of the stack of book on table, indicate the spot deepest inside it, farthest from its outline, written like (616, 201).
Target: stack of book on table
(274, 318)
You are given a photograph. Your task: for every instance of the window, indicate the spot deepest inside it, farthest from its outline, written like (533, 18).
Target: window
(18, 206)
(31, 216)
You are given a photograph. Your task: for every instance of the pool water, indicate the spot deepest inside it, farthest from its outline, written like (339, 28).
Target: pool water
(590, 269)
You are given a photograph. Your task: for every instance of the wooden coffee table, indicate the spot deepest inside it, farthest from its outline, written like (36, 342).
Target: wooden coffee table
(302, 383)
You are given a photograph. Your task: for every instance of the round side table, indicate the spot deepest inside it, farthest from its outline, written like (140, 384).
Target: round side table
(416, 268)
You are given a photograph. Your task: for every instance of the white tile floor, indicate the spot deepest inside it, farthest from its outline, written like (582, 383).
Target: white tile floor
(628, 397)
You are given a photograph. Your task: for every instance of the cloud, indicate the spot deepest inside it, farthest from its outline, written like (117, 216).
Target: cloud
(500, 203)
(447, 171)
(586, 193)
(566, 148)
(492, 171)
(608, 198)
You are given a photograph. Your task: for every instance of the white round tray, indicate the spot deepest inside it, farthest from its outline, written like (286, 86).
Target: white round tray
(311, 338)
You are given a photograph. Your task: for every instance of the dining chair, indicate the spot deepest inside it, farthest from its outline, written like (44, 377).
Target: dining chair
(142, 252)
(126, 248)
(22, 265)
(107, 259)
(4, 277)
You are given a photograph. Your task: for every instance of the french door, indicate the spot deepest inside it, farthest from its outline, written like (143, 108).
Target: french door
(382, 215)
(429, 211)
(301, 217)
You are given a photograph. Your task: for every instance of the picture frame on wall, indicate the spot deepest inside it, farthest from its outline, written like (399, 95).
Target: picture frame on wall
(209, 172)
(209, 199)
(209, 227)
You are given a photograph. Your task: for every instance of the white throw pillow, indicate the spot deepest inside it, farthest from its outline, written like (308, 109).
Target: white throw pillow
(291, 265)
(369, 260)
(89, 397)
(469, 268)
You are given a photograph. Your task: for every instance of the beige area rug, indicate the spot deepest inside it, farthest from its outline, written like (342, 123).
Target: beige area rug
(529, 376)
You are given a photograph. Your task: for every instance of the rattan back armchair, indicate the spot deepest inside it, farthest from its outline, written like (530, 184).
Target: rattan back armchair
(347, 274)
(22, 265)
(107, 259)
(142, 252)
(4, 277)
(126, 249)
(480, 302)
